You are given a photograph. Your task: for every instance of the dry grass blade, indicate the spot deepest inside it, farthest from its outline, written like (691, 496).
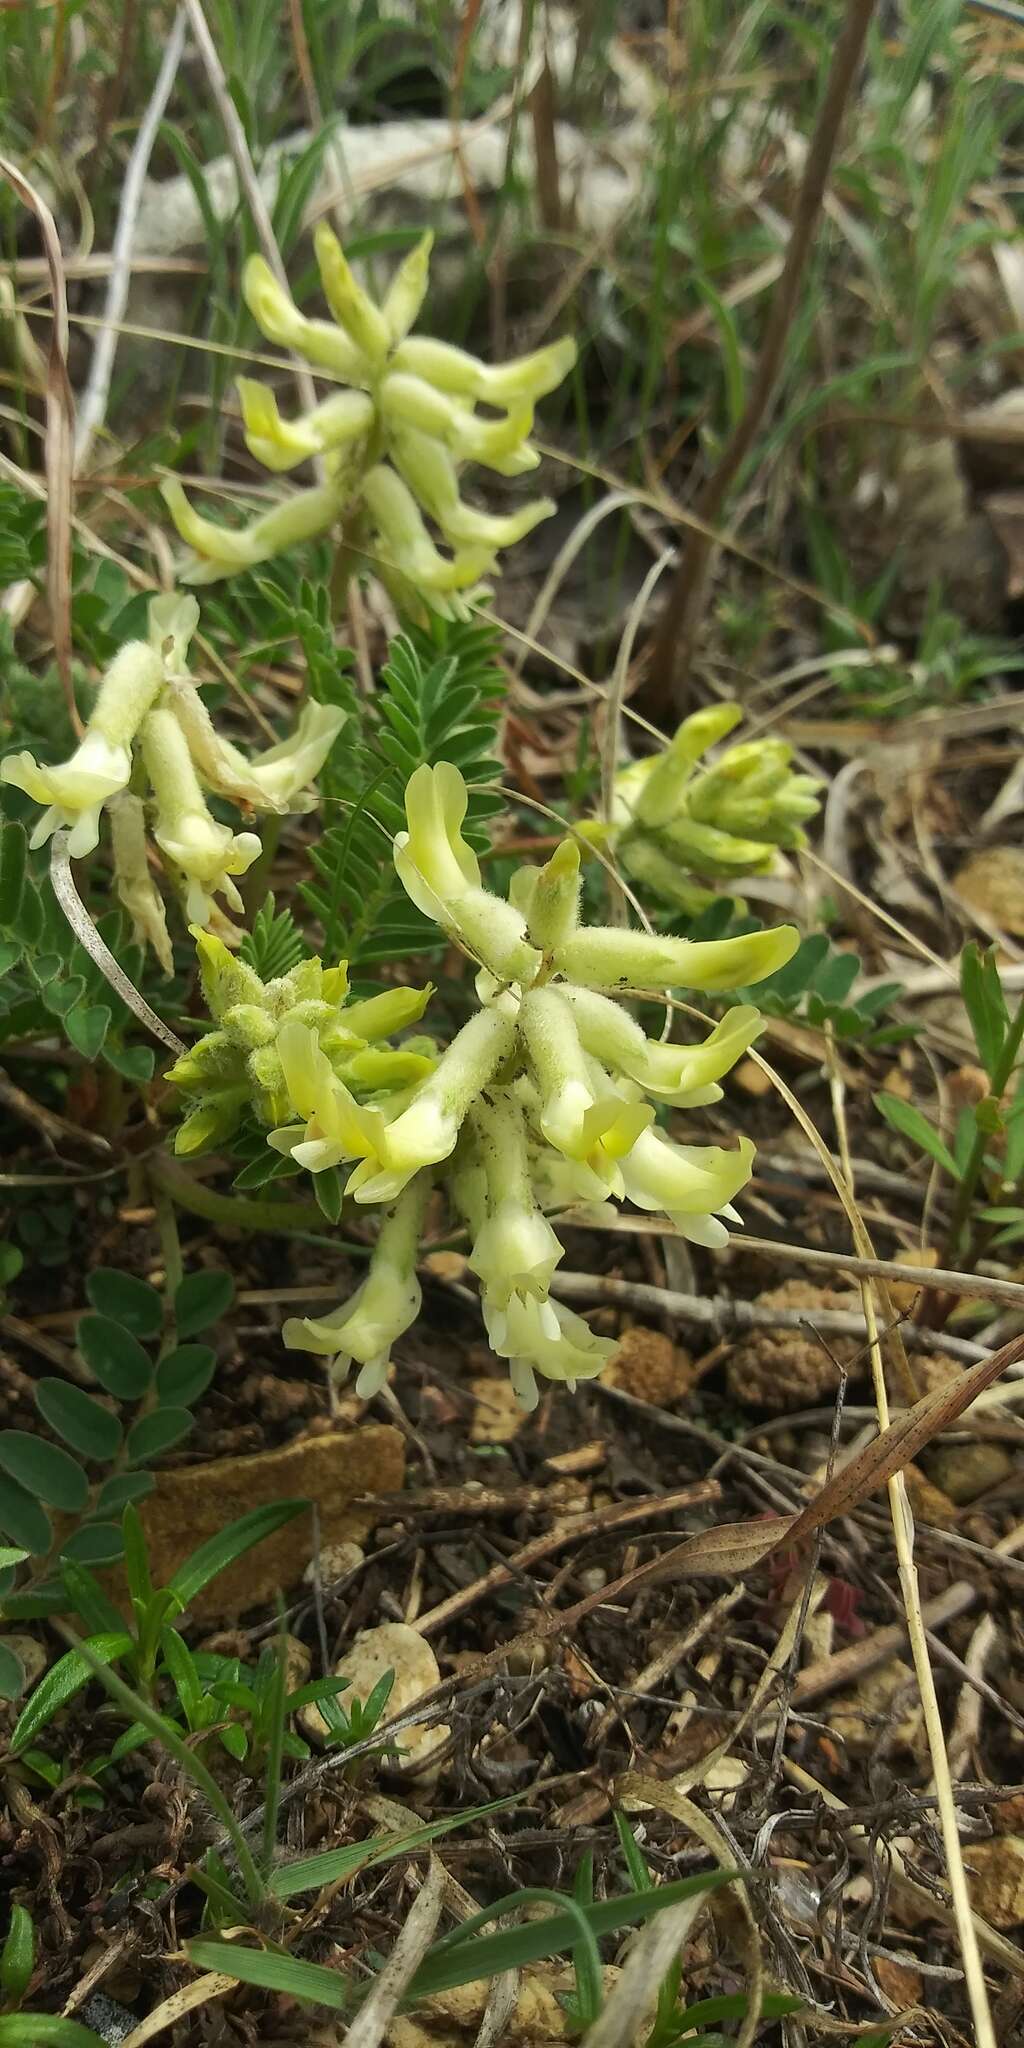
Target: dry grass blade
(96, 947)
(213, 1985)
(622, 2020)
(903, 1533)
(60, 436)
(501, 2004)
(93, 406)
(375, 2016)
(634, 1789)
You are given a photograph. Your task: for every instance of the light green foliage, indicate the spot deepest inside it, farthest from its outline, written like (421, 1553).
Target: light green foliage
(389, 442)
(677, 815)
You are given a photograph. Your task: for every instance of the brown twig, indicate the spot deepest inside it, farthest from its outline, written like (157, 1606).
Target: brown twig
(599, 1522)
(680, 622)
(726, 1316)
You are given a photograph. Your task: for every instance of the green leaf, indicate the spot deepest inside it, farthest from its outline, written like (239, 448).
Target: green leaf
(135, 1063)
(183, 1375)
(126, 1300)
(115, 1493)
(331, 1866)
(231, 1543)
(44, 1470)
(904, 1118)
(273, 1972)
(88, 1599)
(471, 1957)
(87, 1025)
(62, 1682)
(96, 1543)
(22, 1518)
(11, 1261)
(12, 1678)
(45, 2030)
(735, 2005)
(115, 1356)
(201, 1300)
(9, 1556)
(329, 1191)
(13, 857)
(984, 1002)
(18, 1957)
(83, 1423)
(155, 1433)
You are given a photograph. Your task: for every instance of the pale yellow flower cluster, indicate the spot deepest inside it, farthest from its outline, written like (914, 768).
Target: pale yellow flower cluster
(389, 445)
(676, 815)
(149, 755)
(548, 1096)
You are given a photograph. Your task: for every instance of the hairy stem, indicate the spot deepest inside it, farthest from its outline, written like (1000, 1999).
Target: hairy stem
(239, 1212)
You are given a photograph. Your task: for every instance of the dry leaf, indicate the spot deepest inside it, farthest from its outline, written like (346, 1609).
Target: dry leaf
(993, 884)
(740, 1546)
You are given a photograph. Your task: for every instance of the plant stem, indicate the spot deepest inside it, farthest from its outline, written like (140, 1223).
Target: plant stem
(238, 1212)
(999, 1080)
(275, 1746)
(676, 637)
(164, 1731)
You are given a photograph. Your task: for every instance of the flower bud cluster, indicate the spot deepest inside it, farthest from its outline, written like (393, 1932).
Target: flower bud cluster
(149, 753)
(676, 816)
(390, 442)
(280, 1042)
(547, 1096)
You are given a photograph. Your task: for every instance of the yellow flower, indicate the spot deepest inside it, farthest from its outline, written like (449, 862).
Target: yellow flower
(366, 1326)
(544, 1337)
(602, 956)
(206, 855)
(272, 781)
(515, 1250)
(688, 1183)
(76, 790)
(220, 550)
(135, 886)
(440, 872)
(389, 442)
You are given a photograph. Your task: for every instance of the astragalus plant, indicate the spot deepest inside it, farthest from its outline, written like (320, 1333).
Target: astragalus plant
(547, 1096)
(389, 441)
(149, 753)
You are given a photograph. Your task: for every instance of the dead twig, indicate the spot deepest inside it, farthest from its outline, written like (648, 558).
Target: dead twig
(724, 1316)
